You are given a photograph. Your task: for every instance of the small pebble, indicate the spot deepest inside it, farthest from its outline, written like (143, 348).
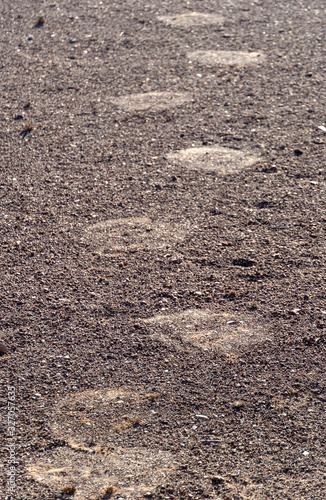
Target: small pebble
(238, 404)
(203, 417)
(3, 348)
(218, 479)
(30, 37)
(40, 22)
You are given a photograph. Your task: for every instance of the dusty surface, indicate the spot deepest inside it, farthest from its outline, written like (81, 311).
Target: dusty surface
(226, 58)
(133, 234)
(213, 158)
(190, 19)
(163, 310)
(206, 329)
(151, 101)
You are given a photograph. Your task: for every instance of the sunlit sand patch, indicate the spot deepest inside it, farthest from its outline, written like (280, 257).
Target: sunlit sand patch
(190, 19)
(226, 58)
(213, 158)
(131, 234)
(151, 101)
(128, 473)
(97, 420)
(205, 329)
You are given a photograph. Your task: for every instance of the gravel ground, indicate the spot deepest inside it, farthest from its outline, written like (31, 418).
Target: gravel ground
(162, 285)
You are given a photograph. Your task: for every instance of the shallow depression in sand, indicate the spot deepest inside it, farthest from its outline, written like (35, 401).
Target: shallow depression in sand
(190, 19)
(226, 58)
(128, 473)
(205, 329)
(103, 448)
(213, 158)
(131, 234)
(99, 419)
(151, 101)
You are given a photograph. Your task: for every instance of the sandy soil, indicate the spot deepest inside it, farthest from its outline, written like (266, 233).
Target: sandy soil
(163, 195)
